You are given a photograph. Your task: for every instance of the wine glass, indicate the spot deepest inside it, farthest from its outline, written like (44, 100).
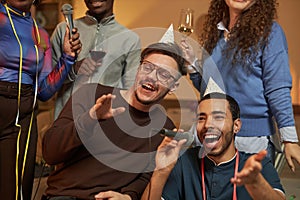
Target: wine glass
(97, 53)
(186, 22)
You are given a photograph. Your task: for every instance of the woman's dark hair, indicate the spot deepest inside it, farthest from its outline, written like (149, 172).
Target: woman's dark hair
(233, 105)
(169, 49)
(248, 35)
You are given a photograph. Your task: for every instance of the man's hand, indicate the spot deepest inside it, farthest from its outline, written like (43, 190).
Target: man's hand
(167, 153)
(166, 158)
(103, 108)
(72, 46)
(292, 151)
(86, 66)
(111, 195)
(251, 169)
(255, 183)
(188, 51)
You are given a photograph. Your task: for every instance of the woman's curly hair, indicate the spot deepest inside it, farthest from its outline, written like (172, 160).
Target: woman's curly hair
(248, 35)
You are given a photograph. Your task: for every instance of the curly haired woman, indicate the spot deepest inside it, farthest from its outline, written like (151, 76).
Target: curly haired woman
(249, 61)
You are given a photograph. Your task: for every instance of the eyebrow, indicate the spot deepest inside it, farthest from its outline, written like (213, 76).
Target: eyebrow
(214, 113)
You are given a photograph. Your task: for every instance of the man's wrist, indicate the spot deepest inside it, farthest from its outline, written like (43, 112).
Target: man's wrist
(191, 69)
(194, 67)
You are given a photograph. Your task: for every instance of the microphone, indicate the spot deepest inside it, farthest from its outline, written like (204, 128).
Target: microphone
(177, 135)
(67, 10)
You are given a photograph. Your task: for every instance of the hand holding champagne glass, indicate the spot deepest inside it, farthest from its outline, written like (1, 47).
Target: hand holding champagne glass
(186, 22)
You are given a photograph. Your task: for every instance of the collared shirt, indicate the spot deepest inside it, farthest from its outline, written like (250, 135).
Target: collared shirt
(184, 181)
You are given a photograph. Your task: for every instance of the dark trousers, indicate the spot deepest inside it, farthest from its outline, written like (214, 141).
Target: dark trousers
(8, 141)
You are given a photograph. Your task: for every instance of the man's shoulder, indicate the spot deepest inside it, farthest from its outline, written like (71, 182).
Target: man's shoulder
(121, 29)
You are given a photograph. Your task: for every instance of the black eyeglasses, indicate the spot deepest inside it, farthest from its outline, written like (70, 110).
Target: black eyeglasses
(162, 74)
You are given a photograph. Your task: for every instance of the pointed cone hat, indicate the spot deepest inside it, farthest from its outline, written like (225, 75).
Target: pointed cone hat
(168, 37)
(212, 86)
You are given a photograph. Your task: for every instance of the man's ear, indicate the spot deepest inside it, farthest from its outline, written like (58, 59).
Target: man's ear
(237, 125)
(174, 87)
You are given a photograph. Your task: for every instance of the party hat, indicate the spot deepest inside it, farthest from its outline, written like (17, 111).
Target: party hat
(212, 86)
(168, 37)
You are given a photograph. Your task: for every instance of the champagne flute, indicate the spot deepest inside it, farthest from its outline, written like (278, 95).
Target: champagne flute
(186, 22)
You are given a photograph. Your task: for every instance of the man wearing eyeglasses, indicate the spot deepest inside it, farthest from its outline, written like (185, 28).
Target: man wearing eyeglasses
(103, 141)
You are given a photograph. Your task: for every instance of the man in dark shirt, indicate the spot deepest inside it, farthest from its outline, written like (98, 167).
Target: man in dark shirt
(216, 170)
(102, 142)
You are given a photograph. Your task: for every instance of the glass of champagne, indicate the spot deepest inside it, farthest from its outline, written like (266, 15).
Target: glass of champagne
(186, 22)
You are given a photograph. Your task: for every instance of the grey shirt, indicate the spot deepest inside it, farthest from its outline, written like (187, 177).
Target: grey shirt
(119, 65)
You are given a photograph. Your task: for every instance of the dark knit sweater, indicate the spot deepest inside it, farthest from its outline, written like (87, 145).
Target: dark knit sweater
(93, 156)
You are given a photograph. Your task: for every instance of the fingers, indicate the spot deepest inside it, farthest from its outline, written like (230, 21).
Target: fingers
(72, 45)
(184, 44)
(290, 162)
(168, 141)
(87, 67)
(92, 111)
(85, 70)
(251, 169)
(103, 195)
(260, 155)
(111, 195)
(74, 40)
(105, 99)
(103, 108)
(188, 51)
(76, 45)
(292, 153)
(118, 111)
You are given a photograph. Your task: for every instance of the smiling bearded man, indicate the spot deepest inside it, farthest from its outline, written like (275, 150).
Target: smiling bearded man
(97, 154)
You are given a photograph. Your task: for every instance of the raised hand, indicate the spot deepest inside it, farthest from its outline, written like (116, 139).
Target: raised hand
(188, 51)
(167, 153)
(254, 182)
(103, 108)
(251, 170)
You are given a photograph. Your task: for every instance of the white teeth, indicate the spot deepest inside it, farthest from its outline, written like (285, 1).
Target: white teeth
(149, 87)
(211, 137)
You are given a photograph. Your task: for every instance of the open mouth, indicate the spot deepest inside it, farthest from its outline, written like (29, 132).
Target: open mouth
(148, 86)
(211, 138)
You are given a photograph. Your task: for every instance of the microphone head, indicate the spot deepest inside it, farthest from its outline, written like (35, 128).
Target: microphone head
(189, 136)
(67, 9)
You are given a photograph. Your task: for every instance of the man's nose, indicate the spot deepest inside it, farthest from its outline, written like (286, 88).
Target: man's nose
(208, 122)
(153, 75)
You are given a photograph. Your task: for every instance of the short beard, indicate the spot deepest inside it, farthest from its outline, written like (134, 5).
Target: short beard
(225, 147)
